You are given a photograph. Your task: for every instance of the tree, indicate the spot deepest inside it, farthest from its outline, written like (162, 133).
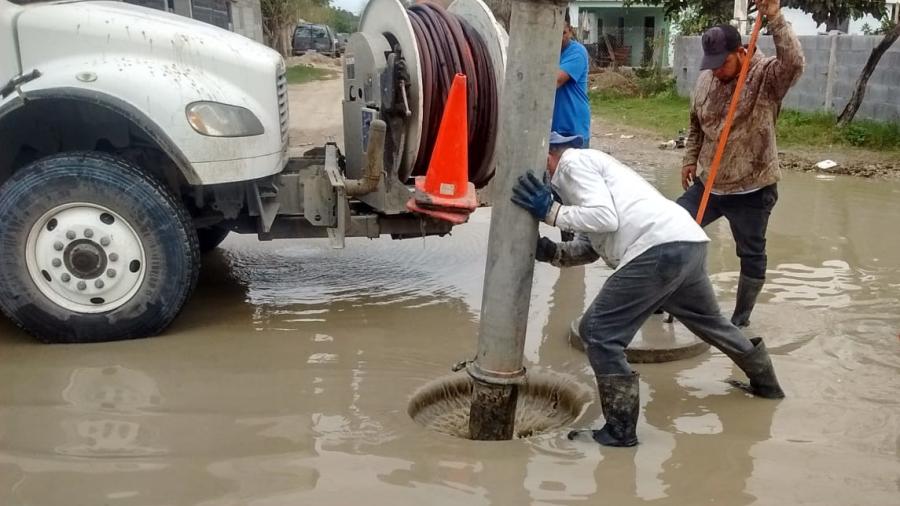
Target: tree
(692, 21)
(278, 16)
(830, 12)
(859, 93)
(834, 12)
(343, 21)
(695, 16)
(886, 25)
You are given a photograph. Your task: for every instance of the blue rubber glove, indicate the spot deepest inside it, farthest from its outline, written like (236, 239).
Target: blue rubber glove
(533, 195)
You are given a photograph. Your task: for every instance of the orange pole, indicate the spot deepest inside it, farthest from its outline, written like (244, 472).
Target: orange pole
(729, 118)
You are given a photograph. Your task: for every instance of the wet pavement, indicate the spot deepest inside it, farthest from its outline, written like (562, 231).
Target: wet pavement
(287, 377)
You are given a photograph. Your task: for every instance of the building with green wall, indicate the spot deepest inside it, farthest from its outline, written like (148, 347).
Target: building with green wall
(640, 34)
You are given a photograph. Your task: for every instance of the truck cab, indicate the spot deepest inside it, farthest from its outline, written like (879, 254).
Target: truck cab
(117, 126)
(133, 140)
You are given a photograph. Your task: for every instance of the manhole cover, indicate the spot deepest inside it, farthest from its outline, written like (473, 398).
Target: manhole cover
(547, 401)
(651, 347)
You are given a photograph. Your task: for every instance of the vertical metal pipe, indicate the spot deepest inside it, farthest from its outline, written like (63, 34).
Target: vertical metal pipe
(525, 112)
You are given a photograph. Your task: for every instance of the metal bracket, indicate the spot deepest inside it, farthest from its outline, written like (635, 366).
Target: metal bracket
(16, 82)
(266, 206)
(337, 234)
(403, 81)
(495, 377)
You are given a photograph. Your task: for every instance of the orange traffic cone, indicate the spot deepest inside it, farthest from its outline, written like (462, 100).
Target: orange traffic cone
(445, 192)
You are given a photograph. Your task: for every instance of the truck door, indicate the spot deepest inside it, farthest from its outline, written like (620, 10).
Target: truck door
(9, 63)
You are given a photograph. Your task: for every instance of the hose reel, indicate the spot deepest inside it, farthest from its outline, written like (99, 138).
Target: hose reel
(398, 67)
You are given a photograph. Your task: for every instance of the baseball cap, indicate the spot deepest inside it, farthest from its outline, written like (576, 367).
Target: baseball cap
(717, 42)
(557, 139)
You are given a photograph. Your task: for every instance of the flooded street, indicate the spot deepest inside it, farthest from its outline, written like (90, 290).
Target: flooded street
(286, 380)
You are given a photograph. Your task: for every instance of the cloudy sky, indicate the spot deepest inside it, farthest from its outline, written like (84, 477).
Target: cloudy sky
(354, 6)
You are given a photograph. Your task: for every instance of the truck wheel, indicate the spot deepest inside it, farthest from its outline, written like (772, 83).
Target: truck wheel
(92, 249)
(211, 237)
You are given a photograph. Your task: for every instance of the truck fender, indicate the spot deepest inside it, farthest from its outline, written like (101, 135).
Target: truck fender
(116, 105)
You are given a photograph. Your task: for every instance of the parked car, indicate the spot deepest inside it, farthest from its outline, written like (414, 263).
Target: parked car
(319, 38)
(343, 39)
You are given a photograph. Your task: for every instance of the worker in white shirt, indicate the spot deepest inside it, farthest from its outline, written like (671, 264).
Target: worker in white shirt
(659, 256)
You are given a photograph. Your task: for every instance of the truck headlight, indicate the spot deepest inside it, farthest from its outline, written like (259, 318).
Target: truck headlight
(223, 120)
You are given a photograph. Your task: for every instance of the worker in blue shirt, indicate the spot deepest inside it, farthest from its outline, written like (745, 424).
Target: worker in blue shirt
(571, 111)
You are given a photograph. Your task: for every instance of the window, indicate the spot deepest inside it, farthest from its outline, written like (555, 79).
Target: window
(649, 39)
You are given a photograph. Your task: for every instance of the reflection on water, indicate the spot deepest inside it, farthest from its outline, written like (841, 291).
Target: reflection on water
(108, 398)
(286, 381)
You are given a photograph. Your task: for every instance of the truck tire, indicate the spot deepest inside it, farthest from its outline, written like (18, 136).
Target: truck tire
(92, 250)
(211, 237)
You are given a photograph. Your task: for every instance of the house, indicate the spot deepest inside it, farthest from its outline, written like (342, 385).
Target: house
(638, 34)
(240, 16)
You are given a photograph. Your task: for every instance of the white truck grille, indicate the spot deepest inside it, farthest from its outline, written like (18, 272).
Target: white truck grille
(283, 113)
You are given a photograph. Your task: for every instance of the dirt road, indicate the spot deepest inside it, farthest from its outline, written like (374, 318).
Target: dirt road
(316, 113)
(636, 145)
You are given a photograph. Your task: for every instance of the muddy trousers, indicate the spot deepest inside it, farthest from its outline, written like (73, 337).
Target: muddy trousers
(748, 217)
(671, 276)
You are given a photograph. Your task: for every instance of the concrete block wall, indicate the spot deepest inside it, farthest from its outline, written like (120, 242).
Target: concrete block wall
(214, 12)
(247, 19)
(240, 16)
(152, 4)
(827, 81)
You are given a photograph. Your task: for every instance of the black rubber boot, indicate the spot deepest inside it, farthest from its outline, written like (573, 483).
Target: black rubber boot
(757, 365)
(619, 398)
(748, 290)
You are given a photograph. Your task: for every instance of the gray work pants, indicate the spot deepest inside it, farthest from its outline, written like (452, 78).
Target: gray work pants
(671, 276)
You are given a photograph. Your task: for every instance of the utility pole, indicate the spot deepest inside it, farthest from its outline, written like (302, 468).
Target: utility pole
(525, 112)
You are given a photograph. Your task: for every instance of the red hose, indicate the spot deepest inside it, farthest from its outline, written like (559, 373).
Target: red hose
(449, 45)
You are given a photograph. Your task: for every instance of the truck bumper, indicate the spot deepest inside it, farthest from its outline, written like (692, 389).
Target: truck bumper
(240, 170)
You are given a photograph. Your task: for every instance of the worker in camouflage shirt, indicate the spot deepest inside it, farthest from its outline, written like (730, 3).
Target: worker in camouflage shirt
(745, 189)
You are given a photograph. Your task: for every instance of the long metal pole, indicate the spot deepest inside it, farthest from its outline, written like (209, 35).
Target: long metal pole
(526, 106)
(729, 119)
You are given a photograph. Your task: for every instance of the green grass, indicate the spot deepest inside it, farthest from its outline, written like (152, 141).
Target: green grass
(818, 129)
(667, 113)
(303, 74)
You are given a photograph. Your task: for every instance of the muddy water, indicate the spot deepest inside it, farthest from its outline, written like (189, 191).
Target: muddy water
(286, 381)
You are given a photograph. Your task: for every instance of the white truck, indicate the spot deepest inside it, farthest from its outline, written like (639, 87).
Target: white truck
(133, 140)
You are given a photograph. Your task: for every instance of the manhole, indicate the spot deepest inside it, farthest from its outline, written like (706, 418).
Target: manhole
(651, 348)
(547, 401)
